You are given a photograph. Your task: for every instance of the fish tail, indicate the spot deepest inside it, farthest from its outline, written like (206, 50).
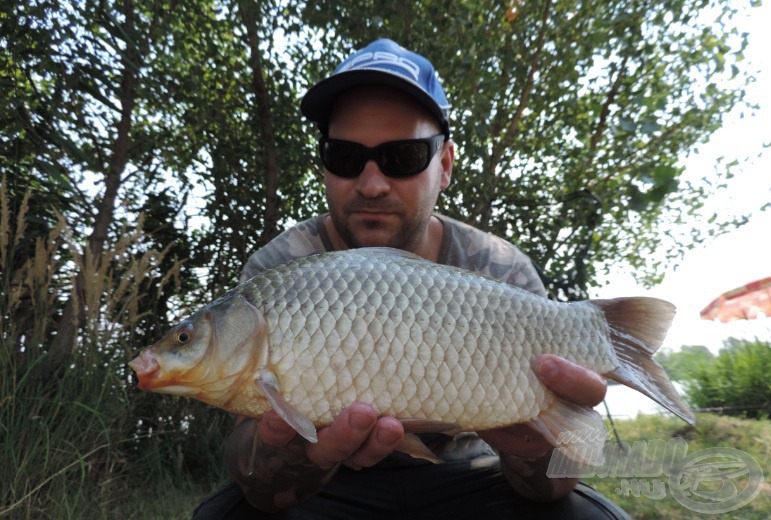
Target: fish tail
(638, 327)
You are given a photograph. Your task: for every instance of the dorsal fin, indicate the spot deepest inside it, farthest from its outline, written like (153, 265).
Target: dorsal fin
(391, 251)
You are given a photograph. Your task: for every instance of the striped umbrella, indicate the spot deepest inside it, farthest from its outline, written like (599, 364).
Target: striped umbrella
(747, 302)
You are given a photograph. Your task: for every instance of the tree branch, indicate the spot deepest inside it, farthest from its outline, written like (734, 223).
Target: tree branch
(482, 209)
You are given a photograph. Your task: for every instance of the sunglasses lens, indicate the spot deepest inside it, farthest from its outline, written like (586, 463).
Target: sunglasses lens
(404, 159)
(397, 159)
(344, 159)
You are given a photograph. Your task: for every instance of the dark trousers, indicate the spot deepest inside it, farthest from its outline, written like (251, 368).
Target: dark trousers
(466, 489)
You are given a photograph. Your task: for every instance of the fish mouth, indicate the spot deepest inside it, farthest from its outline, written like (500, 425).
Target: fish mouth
(145, 365)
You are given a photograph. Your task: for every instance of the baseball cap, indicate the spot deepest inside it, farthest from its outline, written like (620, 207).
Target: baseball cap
(382, 62)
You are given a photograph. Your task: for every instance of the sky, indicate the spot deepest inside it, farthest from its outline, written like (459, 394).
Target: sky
(743, 255)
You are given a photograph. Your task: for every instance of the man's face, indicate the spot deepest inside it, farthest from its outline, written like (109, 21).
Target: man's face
(373, 209)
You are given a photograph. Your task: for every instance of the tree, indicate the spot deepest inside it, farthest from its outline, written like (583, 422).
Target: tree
(571, 120)
(78, 86)
(736, 380)
(681, 365)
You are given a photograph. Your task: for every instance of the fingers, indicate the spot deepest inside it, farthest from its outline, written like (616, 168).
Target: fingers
(356, 437)
(385, 436)
(518, 440)
(273, 431)
(571, 382)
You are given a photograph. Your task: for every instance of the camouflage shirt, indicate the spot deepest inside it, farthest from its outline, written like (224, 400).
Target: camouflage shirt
(462, 246)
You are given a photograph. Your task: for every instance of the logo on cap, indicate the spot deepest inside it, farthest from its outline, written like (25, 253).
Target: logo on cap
(381, 60)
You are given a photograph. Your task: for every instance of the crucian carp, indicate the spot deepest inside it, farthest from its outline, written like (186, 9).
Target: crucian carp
(440, 348)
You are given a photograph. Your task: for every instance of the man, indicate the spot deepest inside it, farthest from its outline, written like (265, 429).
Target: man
(387, 154)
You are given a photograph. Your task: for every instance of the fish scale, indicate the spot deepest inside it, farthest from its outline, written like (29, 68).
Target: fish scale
(416, 311)
(438, 347)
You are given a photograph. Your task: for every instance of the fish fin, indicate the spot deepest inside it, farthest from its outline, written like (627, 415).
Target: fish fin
(414, 447)
(577, 431)
(429, 426)
(638, 327)
(299, 422)
(391, 251)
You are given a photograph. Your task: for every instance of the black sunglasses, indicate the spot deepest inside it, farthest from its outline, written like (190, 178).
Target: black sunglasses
(398, 159)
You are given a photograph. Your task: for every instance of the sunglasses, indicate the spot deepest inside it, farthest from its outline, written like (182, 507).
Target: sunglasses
(397, 159)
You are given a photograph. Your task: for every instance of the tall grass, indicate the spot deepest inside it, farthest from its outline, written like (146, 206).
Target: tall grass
(81, 441)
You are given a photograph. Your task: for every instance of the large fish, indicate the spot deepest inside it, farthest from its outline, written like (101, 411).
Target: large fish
(440, 348)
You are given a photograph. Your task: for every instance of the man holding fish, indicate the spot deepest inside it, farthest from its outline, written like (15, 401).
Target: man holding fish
(387, 154)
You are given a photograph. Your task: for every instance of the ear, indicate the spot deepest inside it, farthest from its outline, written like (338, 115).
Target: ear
(447, 159)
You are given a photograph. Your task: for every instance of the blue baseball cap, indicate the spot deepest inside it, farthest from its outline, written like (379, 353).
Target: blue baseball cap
(382, 62)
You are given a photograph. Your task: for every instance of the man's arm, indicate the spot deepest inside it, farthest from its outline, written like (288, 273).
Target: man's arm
(524, 453)
(276, 468)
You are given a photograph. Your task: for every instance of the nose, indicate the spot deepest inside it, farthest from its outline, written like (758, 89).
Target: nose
(371, 182)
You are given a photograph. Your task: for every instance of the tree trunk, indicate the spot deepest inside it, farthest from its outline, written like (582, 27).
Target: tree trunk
(64, 342)
(249, 15)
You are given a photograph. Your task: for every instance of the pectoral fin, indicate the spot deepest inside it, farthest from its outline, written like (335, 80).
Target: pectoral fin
(299, 422)
(414, 447)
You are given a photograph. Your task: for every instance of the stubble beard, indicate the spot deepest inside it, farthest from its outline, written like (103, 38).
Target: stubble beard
(407, 236)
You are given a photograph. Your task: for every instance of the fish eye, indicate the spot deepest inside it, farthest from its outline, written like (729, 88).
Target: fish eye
(184, 335)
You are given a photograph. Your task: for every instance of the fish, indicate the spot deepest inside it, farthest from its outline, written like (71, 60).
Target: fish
(440, 348)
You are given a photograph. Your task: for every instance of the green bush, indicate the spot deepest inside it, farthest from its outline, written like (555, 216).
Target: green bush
(736, 382)
(684, 363)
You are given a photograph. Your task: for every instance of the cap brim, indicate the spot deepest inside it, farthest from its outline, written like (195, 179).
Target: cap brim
(318, 101)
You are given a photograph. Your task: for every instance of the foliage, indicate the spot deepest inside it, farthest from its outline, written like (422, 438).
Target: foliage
(682, 365)
(570, 120)
(737, 380)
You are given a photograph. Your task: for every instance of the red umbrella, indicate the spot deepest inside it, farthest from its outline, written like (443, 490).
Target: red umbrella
(743, 303)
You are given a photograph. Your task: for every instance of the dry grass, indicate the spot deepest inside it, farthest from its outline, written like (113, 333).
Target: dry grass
(71, 444)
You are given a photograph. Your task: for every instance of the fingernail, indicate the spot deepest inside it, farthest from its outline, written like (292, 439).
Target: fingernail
(387, 437)
(360, 421)
(547, 368)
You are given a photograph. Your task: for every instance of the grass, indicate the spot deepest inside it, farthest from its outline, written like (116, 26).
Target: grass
(77, 439)
(165, 496)
(712, 431)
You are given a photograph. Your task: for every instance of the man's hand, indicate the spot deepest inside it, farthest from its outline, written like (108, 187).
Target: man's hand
(276, 468)
(356, 438)
(569, 381)
(524, 452)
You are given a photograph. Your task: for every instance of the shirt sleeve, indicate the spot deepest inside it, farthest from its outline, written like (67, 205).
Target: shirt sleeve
(474, 250)
(306, 238)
